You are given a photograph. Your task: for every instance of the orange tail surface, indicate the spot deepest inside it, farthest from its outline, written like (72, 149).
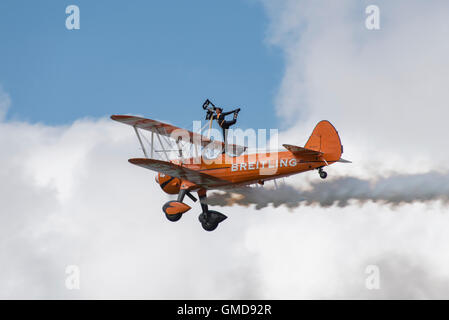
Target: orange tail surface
(325, 139)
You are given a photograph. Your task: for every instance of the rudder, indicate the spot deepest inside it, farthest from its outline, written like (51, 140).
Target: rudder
(325, 139)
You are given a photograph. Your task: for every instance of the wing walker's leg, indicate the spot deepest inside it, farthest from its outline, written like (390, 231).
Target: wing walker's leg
(225, 133)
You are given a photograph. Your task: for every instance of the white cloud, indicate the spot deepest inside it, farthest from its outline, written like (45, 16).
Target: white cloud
(5, 102)
(69, 196)
(315, 253)
(109, 222)
(385, 93)
(384, 90)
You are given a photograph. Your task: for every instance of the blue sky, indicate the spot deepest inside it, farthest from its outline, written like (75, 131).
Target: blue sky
(159, 59)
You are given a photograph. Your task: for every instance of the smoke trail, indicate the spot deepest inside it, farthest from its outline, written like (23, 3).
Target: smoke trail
(393, 190)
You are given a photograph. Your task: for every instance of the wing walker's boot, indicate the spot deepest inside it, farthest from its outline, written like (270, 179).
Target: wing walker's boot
(236, 113)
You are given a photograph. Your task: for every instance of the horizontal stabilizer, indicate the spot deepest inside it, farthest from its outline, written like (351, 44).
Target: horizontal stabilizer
(300, 151)
(344, 161)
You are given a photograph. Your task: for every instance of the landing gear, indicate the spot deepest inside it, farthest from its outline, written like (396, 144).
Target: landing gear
(322, 173)
(174, 209)
(173, 217)
(209, 219)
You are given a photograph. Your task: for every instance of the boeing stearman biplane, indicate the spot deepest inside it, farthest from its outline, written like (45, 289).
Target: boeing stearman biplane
(180, 174)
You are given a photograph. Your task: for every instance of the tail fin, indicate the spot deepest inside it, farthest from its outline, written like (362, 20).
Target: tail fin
(325, 139)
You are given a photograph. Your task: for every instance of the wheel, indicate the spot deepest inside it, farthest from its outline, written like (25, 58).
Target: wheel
(174, 210)
(212, 221)
(323, 174)
(173, 217)
(209, 226)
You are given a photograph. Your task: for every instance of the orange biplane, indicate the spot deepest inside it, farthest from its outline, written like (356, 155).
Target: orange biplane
(197, 173)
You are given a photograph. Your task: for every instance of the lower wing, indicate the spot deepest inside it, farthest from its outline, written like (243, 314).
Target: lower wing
(171, 169)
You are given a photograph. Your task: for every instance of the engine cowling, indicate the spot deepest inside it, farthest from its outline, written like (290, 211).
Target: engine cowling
(170, 185)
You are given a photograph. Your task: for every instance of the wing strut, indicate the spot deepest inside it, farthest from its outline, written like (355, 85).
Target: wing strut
(141, 144)
(153, 132)
(152, 143)
(162, 145)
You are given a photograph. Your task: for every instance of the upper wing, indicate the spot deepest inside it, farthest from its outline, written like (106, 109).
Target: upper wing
(161, 128)
(171, 169)
(169, 130)
(300, 151)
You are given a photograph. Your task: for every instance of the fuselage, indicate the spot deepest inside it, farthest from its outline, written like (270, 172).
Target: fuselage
(255, 167)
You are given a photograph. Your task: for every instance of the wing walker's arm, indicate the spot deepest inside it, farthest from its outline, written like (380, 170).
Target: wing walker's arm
(210, 110)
